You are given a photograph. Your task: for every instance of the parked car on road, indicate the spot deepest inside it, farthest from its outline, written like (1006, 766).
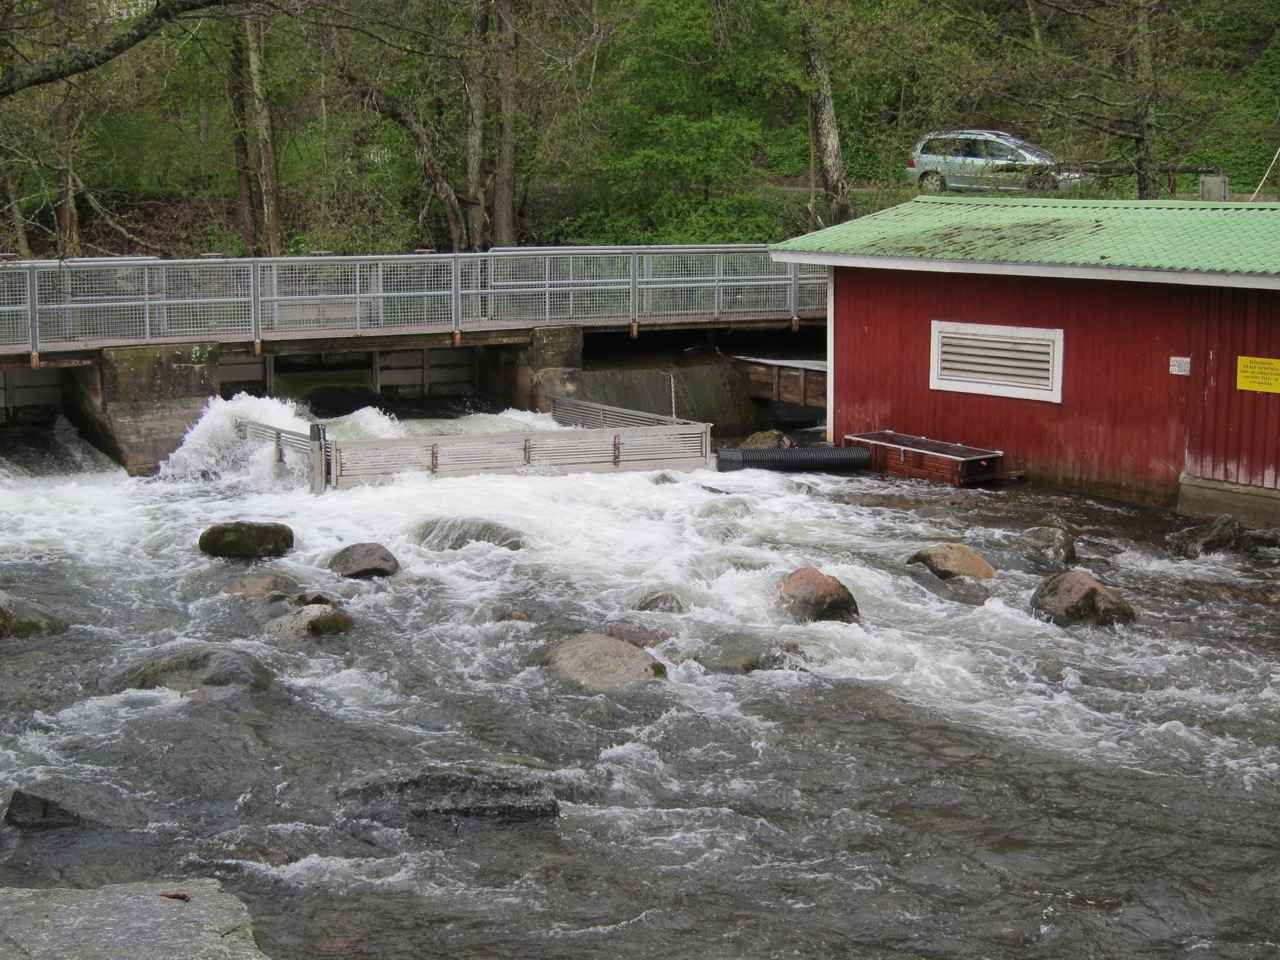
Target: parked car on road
(985, 160)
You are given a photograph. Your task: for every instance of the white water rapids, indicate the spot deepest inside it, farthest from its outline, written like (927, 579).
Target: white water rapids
(948, 777)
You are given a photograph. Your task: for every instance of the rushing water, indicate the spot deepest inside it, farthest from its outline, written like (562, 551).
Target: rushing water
(947, 778)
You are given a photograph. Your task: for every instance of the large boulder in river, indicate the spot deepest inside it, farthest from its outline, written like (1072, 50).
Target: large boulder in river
(767, 440)
(602, 664)
(810, 594)
(363, 561)
(640, 635)
(1075, 597)
(246, 540)
(413, 799)
(947, 560)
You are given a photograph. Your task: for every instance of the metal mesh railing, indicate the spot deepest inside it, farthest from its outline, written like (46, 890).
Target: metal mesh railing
(70, 304)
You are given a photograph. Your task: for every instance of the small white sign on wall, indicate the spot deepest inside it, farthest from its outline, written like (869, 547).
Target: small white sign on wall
(1180, 366)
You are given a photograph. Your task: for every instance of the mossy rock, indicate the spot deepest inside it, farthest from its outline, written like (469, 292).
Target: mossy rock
(246, 540)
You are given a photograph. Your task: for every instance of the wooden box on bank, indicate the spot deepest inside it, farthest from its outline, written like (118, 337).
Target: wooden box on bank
(923, 459)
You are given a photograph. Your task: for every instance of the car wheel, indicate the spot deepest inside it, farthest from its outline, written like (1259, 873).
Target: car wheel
(932, 182)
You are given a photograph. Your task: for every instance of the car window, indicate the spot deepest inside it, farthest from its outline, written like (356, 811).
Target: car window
(970, 148)
(936, 147)
(1001, 151)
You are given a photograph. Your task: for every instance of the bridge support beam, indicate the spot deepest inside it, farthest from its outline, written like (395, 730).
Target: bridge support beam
(524, 376)
(139, 403)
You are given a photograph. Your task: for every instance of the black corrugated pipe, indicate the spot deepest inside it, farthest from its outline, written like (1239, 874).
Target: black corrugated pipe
(818, 459)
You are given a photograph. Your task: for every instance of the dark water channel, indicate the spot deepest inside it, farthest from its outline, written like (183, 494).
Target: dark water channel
(948, 778)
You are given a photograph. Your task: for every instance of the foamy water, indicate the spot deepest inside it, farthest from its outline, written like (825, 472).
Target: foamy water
(940, 773)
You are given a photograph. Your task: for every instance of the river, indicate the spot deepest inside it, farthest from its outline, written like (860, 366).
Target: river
(949, 777)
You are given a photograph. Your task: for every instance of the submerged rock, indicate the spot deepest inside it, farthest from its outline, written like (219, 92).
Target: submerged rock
(810, 594)
(189, 666)
(497, 793)
(454, 533)
(1075, 597)
(363, 561)
(261, 586)
(246, 540)
(22, 618)
(191, 919)
(660, 601)
(1224, 533)
(1047, 547)
(314, 619)
(603, 664)
(638, 634)
(60, 803)
(947, 560)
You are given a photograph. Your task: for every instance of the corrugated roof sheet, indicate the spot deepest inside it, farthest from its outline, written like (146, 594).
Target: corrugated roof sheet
(1183, 236)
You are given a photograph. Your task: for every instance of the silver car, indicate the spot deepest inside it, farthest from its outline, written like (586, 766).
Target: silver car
(985, 160)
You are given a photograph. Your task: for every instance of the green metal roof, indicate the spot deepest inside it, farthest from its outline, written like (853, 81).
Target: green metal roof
(1195, 241)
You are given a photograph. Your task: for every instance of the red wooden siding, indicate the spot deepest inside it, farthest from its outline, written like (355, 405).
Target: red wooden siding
(1233, 435)
(1122, 425)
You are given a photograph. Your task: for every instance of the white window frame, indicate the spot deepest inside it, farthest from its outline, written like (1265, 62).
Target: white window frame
(994, 387)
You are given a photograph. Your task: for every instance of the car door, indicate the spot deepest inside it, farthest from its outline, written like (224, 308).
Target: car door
(966, 163)
(997, 170)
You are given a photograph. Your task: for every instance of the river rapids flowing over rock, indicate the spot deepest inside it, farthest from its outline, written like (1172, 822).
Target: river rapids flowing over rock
(946, 776)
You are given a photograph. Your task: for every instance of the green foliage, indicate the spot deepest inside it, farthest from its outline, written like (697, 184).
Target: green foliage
(648, 121)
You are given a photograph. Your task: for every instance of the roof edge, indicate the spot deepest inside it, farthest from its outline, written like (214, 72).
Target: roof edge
(1000, 268)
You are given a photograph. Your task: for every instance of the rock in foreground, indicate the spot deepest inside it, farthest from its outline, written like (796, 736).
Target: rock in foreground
(810, 594)
(191, 919)
(947, 560)
(246, 540)
(363, 561)
(602, 664)
(1075, 597)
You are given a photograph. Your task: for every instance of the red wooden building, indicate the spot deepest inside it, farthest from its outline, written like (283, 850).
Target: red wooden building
(1125, 347)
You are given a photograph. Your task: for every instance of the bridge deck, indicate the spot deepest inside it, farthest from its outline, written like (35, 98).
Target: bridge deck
(59, 307)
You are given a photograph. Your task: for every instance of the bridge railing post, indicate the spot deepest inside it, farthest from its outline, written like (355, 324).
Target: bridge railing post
(33, 311)
(793, 290)
(634, 296)
(255, 303)
(455, 306)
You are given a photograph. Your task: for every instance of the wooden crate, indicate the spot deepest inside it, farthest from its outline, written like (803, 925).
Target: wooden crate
(905, 455)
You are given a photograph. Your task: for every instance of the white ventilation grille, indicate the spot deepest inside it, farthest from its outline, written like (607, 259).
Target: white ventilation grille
(1023, 362)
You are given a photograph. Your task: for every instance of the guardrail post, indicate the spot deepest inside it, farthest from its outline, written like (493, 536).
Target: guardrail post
(455, 268)
(255, 306)
(793, 290)
(319, 461)
(33, 314)
(718, 260)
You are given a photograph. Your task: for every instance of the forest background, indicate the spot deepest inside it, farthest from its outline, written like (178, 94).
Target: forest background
(182, 128)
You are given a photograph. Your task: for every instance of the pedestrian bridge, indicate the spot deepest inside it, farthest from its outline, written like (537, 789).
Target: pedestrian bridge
(68, 306)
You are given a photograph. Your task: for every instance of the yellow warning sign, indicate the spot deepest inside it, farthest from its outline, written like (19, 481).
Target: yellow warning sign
(1258, 373)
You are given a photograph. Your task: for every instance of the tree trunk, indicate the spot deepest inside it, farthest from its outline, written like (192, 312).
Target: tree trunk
(245, 200)
(830, 157)
(477, 100)
(16, 220)
(504, 183)
(68, 221)
(1147, 161)
(268, 165)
